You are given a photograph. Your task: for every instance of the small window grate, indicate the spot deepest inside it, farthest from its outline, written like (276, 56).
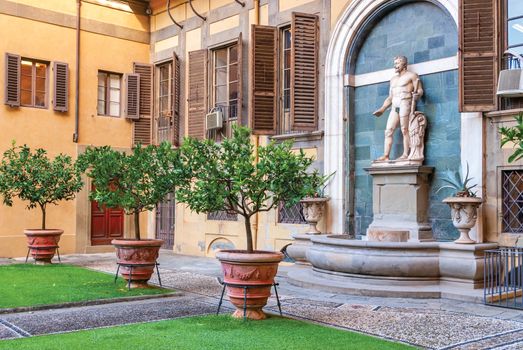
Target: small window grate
(291, 215)
(512, 197)
(222, 215)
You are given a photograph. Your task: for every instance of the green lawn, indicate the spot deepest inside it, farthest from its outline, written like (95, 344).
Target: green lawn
(208, 332)
(32, 285)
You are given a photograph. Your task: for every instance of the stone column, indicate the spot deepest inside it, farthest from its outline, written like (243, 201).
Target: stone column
(400, 196)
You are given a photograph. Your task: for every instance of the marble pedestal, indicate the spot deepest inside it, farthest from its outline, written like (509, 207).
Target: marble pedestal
(400, 195)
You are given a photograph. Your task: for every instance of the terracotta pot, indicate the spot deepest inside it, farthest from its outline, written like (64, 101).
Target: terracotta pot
(141, 255)
(464, 212)
(241, 268)
(313, 208)
(43, 243)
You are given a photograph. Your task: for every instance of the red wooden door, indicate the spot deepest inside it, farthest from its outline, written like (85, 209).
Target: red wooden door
(106, 224)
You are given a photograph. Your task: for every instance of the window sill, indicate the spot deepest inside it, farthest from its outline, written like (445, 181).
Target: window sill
(505, 113)
(35, 107)
(300, 137)
(107, 116)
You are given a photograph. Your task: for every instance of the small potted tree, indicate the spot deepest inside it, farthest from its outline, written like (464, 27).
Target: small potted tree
(40, 180)
(227, 177)
(463, 204)
(135, 182)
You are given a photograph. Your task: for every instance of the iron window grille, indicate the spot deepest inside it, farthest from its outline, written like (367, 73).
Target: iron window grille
(512, 201)
(222, 215)
(291, 215)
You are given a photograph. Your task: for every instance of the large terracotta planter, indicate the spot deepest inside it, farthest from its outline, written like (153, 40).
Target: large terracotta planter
(42, 244)
(241, 268)
(140, 255)
(464, 212)
(313, 208)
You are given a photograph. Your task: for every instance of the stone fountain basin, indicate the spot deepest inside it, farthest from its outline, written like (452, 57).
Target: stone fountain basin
(336, 254)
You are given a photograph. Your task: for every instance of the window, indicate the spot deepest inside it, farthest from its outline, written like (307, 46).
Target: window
(165, 100)
(512, 201)
(515, 25)
(225, 84)
(291, 215)
(284, 83)
(284, 125)
(109, 88)
(33, 83)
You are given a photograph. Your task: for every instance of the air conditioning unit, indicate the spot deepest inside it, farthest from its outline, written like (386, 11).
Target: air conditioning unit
(214, 120)
(510, 83)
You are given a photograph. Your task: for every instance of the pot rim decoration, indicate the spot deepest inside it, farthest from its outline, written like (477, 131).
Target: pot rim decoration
(42, 232)
(315, 199)
(471, 200)
(240, 255)
(132, 242)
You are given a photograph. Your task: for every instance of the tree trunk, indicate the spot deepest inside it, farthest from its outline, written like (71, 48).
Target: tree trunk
(137, 225)
(249, 234)
(43, 216)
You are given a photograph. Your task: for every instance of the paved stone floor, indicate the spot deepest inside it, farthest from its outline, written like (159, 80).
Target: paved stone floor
(426, 323)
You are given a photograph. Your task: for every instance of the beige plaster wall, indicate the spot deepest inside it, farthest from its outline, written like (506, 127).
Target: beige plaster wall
(194, 234)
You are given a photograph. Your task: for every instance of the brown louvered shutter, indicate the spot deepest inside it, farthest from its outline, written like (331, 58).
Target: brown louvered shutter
(197, 97)
(478, 68)
(61, 86)
(262, 91)
(304, 71)
(12, 80)
(142, 126)
(240, 78)
(132, 96)
(176, 101)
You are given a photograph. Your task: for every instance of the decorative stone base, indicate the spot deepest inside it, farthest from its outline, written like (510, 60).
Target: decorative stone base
(400, 197)
(401, 269)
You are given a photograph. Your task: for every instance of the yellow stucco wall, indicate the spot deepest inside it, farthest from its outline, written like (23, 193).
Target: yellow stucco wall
(52, 130)
(194, 234)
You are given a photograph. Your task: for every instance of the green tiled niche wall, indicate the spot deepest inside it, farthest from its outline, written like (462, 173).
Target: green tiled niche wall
(440, 105)
(421, 31)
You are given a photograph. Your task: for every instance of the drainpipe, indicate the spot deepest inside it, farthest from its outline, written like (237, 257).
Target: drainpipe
(256, 138)
(77, 88)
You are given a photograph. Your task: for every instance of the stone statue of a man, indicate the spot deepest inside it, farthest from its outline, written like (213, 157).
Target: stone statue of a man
(405, 90)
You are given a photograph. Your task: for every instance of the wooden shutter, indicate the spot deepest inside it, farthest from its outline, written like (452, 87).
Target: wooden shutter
(478, 68)
(132, 96)
(12, 80)
(304, 71)
(262, 91)
(197, 97)
(61, 86)
(142, 126)
(176, 101)
(240, 78)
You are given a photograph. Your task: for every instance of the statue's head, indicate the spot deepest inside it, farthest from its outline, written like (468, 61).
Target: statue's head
(400, 63)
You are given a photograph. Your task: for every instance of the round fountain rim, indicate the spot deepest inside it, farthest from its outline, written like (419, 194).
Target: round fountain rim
(335, 240)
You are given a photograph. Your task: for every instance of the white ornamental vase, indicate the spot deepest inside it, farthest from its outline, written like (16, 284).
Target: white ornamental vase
(464, 212)
(313, 208)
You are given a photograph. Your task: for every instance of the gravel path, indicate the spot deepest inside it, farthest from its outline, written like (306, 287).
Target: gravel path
(426, 323)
